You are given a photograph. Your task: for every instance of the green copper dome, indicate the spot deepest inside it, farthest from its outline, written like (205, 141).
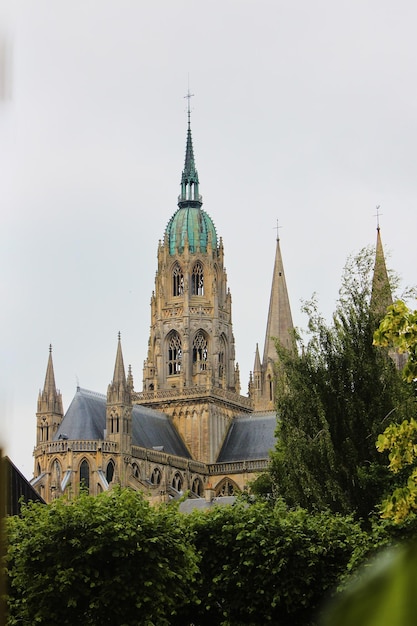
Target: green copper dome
(194, 224)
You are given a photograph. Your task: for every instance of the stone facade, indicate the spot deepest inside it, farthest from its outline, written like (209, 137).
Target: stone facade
(169, 438)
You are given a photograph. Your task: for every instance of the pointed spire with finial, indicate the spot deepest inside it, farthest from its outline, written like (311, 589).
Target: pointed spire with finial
(279, 325)
(119, 375)
(189, 179)
(381, 296)
(50, 399)
(257, 364)
(49, 386)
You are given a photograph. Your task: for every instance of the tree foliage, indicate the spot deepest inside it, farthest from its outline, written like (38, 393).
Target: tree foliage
(334, 398)
(261, 564)
(109, 559)
(398, 330)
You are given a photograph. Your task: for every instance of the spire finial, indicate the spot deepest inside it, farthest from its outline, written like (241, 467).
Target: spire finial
(118, 335)
(189, 96)
(50, 348)
(190, 196)
(377, 214)
(277, 227)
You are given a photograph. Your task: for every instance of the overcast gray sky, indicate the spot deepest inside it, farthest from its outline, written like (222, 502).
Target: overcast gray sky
(303, 112)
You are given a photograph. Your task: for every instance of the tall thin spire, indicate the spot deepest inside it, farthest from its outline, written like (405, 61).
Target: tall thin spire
(381, 297)
(50, 410)
(189, 180)
(119, 375)
(49, 385)
(279, 324)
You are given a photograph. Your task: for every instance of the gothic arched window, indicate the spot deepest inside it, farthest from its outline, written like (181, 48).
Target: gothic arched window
(174, 354)
(197, 487)
(222, 358)
(177, 280)
(177, 481)
(200, 351)
(85, 474)
(197, 280)
(110, 471)
(156, 476)
(227, 487)
(271, 389)
(135, 470)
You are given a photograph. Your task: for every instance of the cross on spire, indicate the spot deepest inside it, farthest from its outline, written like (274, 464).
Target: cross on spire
(189, 96)
(277, 227)
(377, 214)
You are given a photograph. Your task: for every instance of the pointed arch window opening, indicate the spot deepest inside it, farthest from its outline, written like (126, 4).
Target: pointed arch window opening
(200, 352)
(271, 389)
(85, 475)
(197, 487)
(174, 354)
(197, 280)
(221, 365)
(156, 476)
(177, 280)
(177, 481)
(227, 488)
(110, 471)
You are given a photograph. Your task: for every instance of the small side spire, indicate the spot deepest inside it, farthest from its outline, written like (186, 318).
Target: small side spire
(381, 296)
(50, 410)
(279, 325)
(257, 364)
(130, 378)
(119, 375)
(49, 385)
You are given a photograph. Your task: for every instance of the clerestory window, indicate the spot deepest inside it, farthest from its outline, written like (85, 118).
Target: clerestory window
(85, 474)
(177, 482)
(156, 476)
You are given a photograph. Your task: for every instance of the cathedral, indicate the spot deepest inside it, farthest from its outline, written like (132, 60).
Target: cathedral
(189, 431)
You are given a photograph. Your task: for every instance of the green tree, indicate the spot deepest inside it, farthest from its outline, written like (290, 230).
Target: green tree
(110, 559)
(334, 398)
(398, 330)
(261, 564)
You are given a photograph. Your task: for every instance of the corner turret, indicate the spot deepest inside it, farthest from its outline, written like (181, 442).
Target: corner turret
(50, 411)
(119, 406)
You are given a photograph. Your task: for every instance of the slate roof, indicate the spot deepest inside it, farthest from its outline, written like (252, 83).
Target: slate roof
(85, 419)
(250, 437)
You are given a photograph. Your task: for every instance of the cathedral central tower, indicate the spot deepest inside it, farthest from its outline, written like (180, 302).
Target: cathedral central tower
(190, 370)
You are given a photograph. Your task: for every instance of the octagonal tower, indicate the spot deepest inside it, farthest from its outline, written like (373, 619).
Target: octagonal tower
(190, 370)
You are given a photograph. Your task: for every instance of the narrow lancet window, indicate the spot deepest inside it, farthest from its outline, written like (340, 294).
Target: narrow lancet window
(85, 475)
(177, 280)
(197, 280)
(110, 471)
(174, 354)
(200, 351)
